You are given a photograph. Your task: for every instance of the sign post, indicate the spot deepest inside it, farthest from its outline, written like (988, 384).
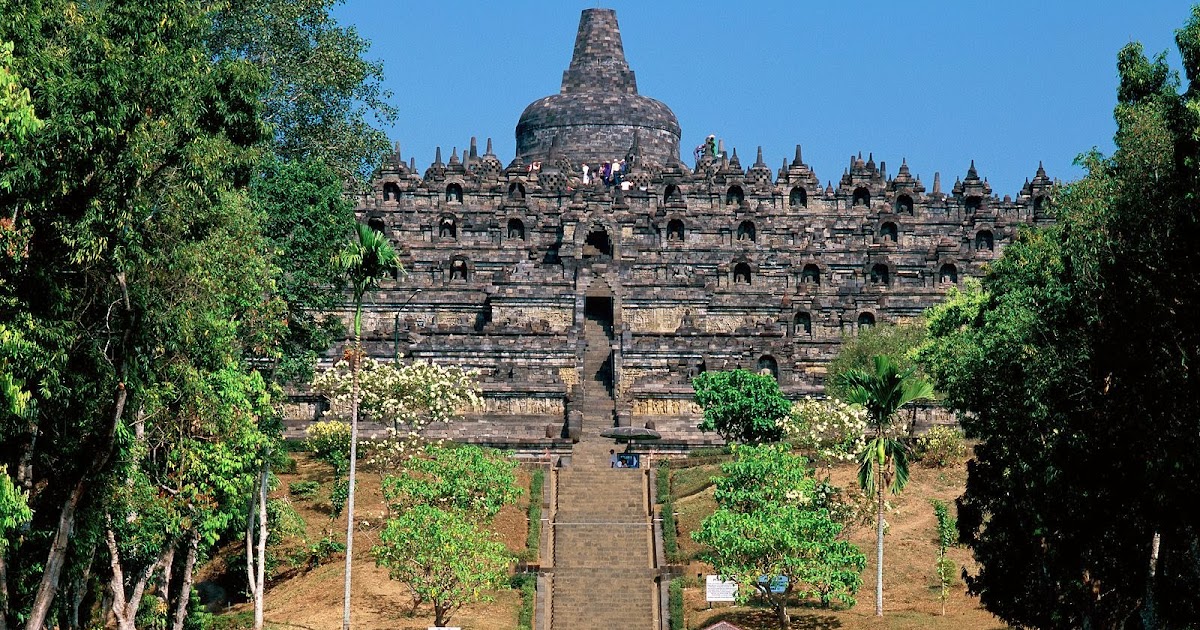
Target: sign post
(718, 590)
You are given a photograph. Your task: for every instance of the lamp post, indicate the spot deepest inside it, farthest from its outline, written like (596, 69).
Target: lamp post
(396, 326)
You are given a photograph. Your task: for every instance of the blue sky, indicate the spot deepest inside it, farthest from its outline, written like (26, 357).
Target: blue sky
(939, 83)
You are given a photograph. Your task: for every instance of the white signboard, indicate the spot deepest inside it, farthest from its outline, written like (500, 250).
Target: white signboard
(718, 590)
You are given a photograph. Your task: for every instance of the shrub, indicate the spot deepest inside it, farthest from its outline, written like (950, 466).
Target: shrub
(287, 465)
(662, 485)
(675, 596)
(329, 441)
(828, 428)
(941, 446)
(303, 489)
(320, 551)
(526, 583)
(533, 539)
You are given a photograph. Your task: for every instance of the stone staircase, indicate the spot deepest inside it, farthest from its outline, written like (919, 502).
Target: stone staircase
(603, 555)
(597, 377)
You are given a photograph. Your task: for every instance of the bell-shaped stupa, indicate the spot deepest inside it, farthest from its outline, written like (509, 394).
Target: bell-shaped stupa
(598, 112)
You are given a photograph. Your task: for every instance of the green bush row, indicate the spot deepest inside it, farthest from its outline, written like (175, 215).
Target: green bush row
(675, 603)
(533, 538)
(663, 496)
(526, 583)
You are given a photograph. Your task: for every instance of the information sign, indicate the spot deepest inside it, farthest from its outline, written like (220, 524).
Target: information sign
(718, 590)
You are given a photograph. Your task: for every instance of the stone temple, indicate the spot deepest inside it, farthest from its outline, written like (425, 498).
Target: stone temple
(579, 300)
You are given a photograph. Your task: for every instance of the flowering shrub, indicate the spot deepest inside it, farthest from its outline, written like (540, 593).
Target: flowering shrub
(941, 446)
(829, 428)
(412, 394)
(329, 441)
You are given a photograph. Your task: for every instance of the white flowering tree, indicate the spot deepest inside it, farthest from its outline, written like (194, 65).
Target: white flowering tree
(830, 429)
(407, 396)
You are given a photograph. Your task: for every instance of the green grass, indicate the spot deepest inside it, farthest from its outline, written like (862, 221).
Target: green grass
(688, 481)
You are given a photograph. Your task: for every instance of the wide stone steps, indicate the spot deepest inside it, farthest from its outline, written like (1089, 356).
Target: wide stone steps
(593, 544)
(602, 575)
(602, 599)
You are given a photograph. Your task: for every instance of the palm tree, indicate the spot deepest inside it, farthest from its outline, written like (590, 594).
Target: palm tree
(364, 263)
(883, 462)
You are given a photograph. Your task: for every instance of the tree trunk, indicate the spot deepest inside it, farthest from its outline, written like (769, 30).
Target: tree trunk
(66, 518)
(354, 367)
(781, 615)
(3, 591)
(1149, 614)
(879, 545)
(125, 607)
(185, 588)
(261, 551)
(79, 592)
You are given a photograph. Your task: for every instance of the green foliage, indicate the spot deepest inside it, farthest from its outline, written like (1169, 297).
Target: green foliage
(947, 534)
(142, 280)
(941, 446)
(304, 489)
(14, 508)
(468, 479)
(662, 482)
(742, 406)
(17, 118)
(363, 263)
(443, 558)
(329, 441)
(319, 552)
(675, 604)
(526, 583)
(670, 533)
(324, 102)
(533, 538)
(899, 341)
(1071, 364)
(768, 524)
(308, 217)
(285, 521)
(339, 494)
(883, 462)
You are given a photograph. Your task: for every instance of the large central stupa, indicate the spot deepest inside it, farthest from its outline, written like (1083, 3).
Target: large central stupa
(598, 112)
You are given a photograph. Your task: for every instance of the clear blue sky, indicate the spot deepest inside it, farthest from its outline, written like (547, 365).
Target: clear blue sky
(939, 83)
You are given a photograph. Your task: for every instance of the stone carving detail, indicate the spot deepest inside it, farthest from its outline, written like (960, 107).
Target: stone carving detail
(655, 320)
(666, 407)
(525, 406)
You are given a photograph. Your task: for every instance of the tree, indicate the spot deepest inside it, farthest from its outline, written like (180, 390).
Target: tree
(323, 101)
(883, 462)
(742, 406)
(899, 341)
(947, 534)
(443, 558)
(409, 396)
(474, 481)
(827, 427)
(364, 263)
(771, 523)
(1086, 332)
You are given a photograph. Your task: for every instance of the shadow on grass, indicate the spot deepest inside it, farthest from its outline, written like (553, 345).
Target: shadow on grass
(764, 618)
